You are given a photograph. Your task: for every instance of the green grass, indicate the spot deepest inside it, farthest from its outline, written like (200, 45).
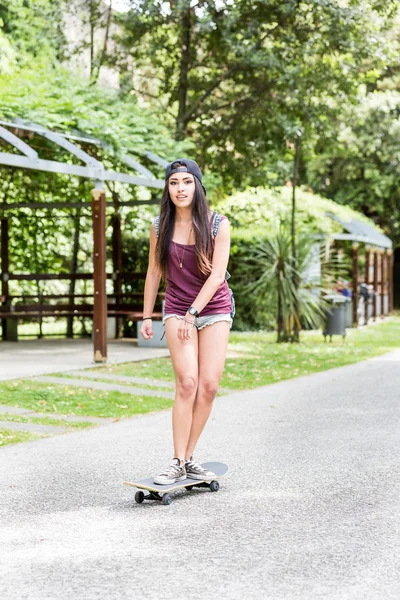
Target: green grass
(271, 362)
(56, 327)
(156, 368)
(144, 386)
(46, 421)
(262, 361)
(7, 436)
(64, 400)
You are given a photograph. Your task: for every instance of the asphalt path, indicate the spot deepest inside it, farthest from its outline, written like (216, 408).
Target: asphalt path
(309, 510)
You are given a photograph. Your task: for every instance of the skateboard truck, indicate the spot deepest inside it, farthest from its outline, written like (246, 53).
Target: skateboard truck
(167, 499)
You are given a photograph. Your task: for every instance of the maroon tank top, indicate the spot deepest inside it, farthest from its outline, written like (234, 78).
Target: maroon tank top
(183, 285)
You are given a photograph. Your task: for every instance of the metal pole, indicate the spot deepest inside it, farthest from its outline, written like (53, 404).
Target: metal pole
(375, 283)
(99, 275)
(355, 284)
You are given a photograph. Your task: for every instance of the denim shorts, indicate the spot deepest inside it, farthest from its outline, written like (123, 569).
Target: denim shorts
(201, 322)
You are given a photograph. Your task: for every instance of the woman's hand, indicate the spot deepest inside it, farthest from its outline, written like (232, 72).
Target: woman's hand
(185, 327)
(146, 329)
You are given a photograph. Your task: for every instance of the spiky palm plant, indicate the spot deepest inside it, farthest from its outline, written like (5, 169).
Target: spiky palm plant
(295, 293)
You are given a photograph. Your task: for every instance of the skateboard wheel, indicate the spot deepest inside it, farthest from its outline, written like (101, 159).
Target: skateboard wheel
(139, 497)
(166, 499)
(188, 487)
(214, 486)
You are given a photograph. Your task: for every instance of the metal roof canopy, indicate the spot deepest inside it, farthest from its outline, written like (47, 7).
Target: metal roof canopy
(94, 169)
(358, 231)
(28, 158)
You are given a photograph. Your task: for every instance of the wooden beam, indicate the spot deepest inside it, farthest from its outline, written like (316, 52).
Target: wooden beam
(366, 281)
(4, 234)
(382, 253)
(117, 261)
(68, 276)
(355, 285)
(375, 283)
(390, 282)
(99, 276)
(55, 205)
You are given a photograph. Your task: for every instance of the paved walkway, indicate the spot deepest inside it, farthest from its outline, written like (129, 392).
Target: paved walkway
(310, 509)
(38, 357)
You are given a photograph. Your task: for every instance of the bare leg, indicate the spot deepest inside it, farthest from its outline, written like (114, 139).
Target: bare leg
(213, 342)
(184, 355)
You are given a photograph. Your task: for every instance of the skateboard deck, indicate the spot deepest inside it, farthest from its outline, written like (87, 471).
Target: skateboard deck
(162, 492)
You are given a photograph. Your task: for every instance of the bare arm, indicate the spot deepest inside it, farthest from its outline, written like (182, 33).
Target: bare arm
(151, 287)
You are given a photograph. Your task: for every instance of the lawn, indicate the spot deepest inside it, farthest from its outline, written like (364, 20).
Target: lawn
(254, 359)
(259, 360)
(65, 400)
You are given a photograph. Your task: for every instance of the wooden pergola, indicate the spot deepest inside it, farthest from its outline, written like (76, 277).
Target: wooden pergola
(26, 157)
(378, 264)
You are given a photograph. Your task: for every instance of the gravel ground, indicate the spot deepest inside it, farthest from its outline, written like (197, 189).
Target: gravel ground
(309, 510)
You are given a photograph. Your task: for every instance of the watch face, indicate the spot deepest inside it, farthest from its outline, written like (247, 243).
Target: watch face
(192, 311)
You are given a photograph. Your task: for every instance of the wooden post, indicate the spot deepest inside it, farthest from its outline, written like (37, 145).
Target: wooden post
(117, 263)
(99, 275)
(366, 281)
(355, 285)
(382, 284)
(375, 283)
(4, 268)
(390, 281)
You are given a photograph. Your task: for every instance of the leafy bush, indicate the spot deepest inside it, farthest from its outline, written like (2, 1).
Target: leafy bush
(258, 210)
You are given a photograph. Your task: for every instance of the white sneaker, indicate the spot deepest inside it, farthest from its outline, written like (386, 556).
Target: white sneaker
(175, 472)
(194, 470)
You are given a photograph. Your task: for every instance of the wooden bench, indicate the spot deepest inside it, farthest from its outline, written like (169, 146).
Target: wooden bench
(19, 310)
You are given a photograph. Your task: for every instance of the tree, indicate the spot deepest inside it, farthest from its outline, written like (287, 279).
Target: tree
(34, 28)
(237, 77)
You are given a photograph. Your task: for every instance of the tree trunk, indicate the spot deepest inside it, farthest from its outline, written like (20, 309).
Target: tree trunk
(100, 61)
(279, 316)
(186, 25)
(92, 24)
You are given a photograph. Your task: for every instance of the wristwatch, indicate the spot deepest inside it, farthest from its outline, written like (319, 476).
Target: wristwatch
(193, 311)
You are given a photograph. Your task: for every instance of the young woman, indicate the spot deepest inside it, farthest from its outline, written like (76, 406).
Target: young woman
(189, 248)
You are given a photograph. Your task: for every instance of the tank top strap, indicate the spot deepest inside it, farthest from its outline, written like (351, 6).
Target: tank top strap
(216, 222)
(156, 223)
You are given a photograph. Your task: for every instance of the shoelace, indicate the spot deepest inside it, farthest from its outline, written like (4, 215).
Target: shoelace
(194, 465)
(172, 470)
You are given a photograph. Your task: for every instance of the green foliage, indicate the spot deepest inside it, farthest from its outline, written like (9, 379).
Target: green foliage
(254, 215)
(57, 99)
(360, 166)
(34, 28)
(294, 291)
(257, 210)
(42, 240)
(242, 79)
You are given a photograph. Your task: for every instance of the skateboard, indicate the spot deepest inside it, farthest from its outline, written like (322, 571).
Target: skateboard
(162, 493)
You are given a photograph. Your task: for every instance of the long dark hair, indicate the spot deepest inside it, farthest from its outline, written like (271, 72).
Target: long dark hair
(204, 246)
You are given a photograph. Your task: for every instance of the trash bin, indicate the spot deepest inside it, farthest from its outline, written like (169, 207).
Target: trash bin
(11, 330)
(335, 320)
